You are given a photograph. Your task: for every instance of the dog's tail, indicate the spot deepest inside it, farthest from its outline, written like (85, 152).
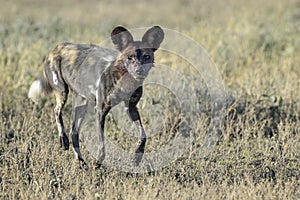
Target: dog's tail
(39, 88)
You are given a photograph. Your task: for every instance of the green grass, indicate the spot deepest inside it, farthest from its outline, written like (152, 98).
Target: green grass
(256, 48)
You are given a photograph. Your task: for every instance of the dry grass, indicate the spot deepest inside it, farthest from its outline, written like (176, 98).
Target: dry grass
(255, 45)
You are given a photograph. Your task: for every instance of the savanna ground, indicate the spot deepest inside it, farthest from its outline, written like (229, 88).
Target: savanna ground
(256, 48)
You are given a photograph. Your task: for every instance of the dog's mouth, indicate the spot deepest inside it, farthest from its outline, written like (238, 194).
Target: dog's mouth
(139, 77)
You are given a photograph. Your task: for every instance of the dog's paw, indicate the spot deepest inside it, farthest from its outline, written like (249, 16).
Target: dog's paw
(64, 142)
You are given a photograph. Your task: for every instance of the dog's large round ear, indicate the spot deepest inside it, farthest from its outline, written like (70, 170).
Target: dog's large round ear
(121, 37)
(153, 37)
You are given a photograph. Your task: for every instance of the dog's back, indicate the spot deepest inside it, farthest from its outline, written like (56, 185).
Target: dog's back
(78, 66)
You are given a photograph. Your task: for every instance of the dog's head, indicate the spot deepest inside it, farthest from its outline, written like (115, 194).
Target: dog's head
(137, 57)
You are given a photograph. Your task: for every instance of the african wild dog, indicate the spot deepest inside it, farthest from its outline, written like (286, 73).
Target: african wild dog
(101, 77)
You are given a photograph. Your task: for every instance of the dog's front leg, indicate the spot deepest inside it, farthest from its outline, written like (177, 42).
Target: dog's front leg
(101, 114)
(100, 132)
(134, 115)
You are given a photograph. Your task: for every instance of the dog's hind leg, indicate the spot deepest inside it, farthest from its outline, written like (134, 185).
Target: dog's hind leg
(80, 107)
(61, 98)
(52, 71)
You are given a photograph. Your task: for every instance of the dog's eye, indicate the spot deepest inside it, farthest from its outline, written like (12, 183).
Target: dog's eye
(130, 57)
(147, 57)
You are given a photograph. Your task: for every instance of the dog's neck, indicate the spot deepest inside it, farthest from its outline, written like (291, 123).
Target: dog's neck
(118, 69)
(123, 84)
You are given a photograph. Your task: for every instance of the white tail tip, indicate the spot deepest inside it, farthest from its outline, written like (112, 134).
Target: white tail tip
(35, 91)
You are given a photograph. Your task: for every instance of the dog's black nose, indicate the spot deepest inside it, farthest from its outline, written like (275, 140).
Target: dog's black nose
(139, 71)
